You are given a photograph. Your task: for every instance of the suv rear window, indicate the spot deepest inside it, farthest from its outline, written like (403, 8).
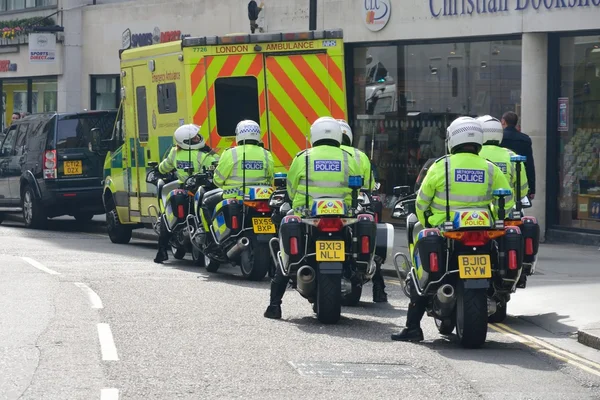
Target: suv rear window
(74, 131)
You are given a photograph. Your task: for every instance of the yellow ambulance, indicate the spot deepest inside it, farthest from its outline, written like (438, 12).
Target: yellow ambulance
(284, 81)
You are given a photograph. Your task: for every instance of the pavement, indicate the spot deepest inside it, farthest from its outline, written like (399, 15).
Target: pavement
(81, 317)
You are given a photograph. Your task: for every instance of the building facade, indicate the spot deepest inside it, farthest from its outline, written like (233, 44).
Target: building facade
(412, 66)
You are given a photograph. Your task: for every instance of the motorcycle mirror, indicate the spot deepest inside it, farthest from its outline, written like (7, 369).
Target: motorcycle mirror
(525, 202)
(285, 208)
(401, 191)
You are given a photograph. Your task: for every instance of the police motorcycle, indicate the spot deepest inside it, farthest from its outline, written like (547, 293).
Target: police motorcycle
(235, 231)
(501, 286)
(328, 251)
(459, 263)
(405, 204)
(175, 204)
(278, 198)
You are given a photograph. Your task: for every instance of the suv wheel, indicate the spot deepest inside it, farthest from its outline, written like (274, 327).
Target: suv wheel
(33, 213)
(117, 232)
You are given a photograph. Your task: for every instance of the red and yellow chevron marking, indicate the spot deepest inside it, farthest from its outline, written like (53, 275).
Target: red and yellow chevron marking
(302, 88)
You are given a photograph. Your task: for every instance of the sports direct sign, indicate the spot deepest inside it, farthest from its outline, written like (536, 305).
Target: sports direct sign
(42, 48)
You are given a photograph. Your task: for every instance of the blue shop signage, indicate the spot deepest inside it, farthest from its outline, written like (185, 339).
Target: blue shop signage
(446, 8)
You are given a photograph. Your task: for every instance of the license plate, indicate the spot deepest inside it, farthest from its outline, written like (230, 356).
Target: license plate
(73, 167)
(331, 250)
(474, 267)
(263, 225)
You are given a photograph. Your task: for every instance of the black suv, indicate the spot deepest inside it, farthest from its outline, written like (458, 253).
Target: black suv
(50, 166)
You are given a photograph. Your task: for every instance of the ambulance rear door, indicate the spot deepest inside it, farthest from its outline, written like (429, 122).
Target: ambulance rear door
(301, 87)
(228, 85)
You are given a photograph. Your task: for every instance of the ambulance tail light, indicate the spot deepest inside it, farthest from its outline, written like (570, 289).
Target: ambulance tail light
(50, 163)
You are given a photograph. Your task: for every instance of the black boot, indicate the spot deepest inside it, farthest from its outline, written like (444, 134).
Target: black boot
(379, 294)
(278, 286)
(161, 256)
(416, 310)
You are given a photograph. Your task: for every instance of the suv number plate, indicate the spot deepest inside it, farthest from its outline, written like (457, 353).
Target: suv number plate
(73, 167)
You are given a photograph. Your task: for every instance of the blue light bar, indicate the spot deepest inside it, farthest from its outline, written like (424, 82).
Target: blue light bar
(518, 159)
(355, 182)
(502, 192)
(280, 175)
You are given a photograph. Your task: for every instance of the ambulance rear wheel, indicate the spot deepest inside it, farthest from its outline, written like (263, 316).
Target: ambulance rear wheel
(117, 232)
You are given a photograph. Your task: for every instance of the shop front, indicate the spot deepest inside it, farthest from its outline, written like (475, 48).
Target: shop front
(574, 141)
(29, 77)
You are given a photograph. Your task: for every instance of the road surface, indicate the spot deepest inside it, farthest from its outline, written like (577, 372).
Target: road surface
(81, 318)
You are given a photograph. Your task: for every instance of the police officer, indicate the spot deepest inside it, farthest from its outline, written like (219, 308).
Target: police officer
(364, 164)
(325, 138)
(472, 186)
(491, 150)
(187, 152)
(247, 164)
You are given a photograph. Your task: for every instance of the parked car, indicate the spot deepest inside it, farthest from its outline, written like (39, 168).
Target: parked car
(49, 166)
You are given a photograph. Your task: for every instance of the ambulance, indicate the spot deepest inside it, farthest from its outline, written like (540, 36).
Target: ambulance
(284, 81)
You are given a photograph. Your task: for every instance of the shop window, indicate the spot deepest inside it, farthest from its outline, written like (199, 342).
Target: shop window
(404, 97)
(12, 5)
(142, 112)
(236, 100)
(166, 95)
(104, 92)
(578, 110)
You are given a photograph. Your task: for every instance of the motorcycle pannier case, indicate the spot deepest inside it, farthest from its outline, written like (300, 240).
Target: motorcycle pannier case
(179, 203)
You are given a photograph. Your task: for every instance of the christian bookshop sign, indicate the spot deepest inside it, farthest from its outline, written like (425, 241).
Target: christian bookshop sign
(445, 8)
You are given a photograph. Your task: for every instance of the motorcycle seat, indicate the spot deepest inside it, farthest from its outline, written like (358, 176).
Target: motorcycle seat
(212, 198)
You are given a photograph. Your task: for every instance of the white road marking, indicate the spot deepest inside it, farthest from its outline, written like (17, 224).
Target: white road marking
(95, 300)
(39, 266)
(109, 394)
(107, 344)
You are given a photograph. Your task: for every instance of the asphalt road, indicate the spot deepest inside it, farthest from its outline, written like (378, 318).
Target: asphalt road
(81, 318)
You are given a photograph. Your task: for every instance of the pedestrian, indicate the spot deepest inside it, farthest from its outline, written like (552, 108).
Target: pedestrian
(520, 143)
(15, 117)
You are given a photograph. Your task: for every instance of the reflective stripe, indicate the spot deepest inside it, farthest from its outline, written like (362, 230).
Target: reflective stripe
(436, 206)
(425, 197)
(266, 154)
(490, 179)
(247, 180)
(234, 156)
(524, 187)
(462, 198)
(423, 207)
(357, 156)
(346, 168)
(316, 195)
(219, 174)
(327, 184)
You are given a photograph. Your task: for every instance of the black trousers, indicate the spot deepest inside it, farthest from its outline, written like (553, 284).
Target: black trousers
(416, 309)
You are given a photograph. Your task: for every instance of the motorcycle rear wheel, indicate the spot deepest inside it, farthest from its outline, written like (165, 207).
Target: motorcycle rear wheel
(178, 253)
(200, 260)
(329, 298)
(471, 316)
(255, 262)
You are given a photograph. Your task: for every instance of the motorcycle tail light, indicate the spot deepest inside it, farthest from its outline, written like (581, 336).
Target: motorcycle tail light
(293, 246)
(433, 262)
(330, 225)
(512, 259)
(260, 206)
(529, 246)
(474, 238)
(234, 222)
(180, 212)
(364, 245)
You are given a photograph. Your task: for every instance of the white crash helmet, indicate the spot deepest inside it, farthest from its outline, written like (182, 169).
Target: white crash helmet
(188, 137)
(346, 130)
(247, 130)
(492, 129)
(464, 130)
(325, 128)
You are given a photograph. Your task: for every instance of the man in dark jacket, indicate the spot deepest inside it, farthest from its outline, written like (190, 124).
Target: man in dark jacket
(520, 143)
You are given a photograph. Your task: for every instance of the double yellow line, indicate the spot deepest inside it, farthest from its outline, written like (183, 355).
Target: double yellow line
(546, 348)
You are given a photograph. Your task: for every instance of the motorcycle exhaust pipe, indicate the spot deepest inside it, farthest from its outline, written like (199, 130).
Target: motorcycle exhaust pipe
(236, 250)
(306, 283)
(444, 300)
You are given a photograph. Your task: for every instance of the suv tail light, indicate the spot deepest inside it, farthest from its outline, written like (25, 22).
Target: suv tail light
(50, 163)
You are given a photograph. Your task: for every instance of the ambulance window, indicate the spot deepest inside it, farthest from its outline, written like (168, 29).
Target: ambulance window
(236, 100)
(142, 112)
(166, 95)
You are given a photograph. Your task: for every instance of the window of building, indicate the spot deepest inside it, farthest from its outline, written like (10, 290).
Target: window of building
(404, 97)
(13, 5)
(236, 99)
(142, 113)
(105, 92)
(166, 95)
(578, 126)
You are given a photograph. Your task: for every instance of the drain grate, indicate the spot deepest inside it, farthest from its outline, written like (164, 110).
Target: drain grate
(356, 370)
